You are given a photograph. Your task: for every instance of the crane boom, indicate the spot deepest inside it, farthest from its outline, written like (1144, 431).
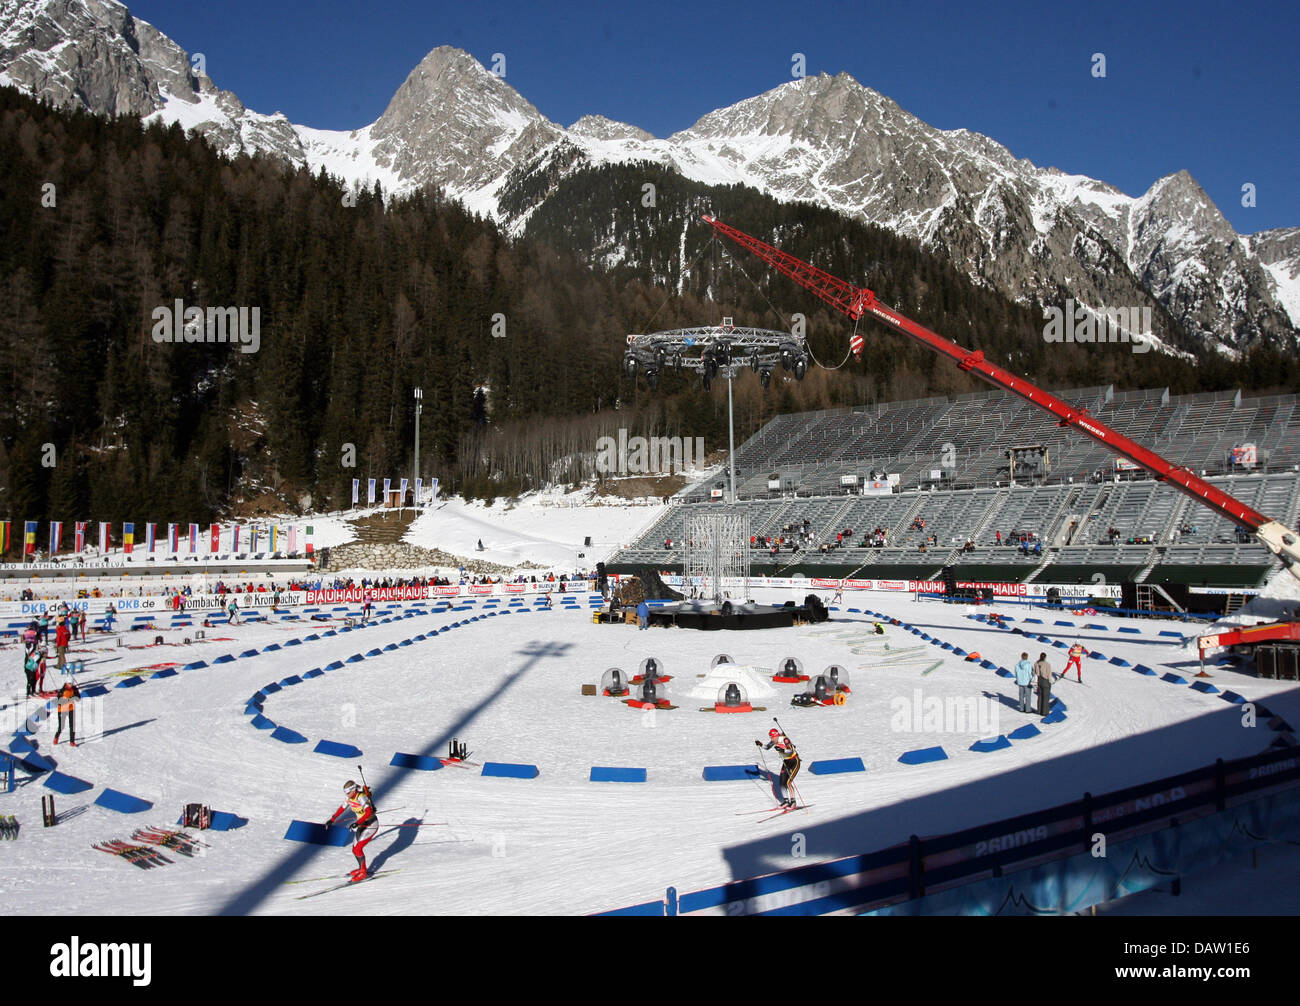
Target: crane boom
(857, 301)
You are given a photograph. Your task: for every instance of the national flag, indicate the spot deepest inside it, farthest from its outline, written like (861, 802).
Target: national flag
(356, 491)
(29, 537)
(216, 538)
(252, 539)
(105, 539)
(370, 490)
(4, 535)
(173, 539)
(150, 536)
(79, 538)
(56, 535)
(234, 537)
(128, 537)
(293, 539)
(275, 537)
(310, 548)
(194, 538)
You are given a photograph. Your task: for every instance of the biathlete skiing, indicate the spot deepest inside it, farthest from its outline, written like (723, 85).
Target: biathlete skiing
(1076, 659)
(789, 764)
(364, 826)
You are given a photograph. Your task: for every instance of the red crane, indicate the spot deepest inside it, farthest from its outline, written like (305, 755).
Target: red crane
(857, 301)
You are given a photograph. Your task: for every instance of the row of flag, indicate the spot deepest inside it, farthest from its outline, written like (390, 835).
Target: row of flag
(372, 485)
(177, 537)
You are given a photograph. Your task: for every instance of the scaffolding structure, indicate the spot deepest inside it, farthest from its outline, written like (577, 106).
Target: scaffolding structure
(716, 562)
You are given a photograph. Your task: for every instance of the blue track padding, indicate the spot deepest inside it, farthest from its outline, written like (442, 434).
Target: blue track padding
(257, 698)
(959, 651)
(195, 665)
(376, 652)
(225, 658)
(336, 749)
(334, 665)
(356, 658)
(606, 774)
(405, 642)
(1058, 644)
(1004, 673)
(271, 649)
(510, 771)
(1170, 632)
(225, 821)
(291, 642)
(1043, 639)
(34, 762)
(287, 736)
(315, 672)
(730, 773)
(1097, 655)
(310, 639)
(1204, 686)
(1173, 678)
(1127, 628)
(1227, 696)
(314, 833)
(94, 692)
(330, 632)
(996, 744)
(390, 646)
(249, 710)
(292, 679)
(1024, 733)
(249, 653)
(1120, 662)
(923, 755)
(271, 689)
(262, 723)
(1096, 625)
(837, 766)
(945, 646)
(1071, 624)
(130, 682)
(1037, 620)
(927, 637)
(1055, 716)
(422, 762)
(123, 803)
(987, 664)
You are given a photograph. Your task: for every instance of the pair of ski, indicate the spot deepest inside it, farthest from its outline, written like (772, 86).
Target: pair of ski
(773, 812)
(349, 882)
(177, 841)
(144, 856)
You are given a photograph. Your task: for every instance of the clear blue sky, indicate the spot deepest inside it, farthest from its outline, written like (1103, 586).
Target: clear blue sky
(1211, 87)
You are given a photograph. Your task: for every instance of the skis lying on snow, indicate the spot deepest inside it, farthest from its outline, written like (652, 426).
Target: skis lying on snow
(177, 841)
(143, 856)
(347, 883)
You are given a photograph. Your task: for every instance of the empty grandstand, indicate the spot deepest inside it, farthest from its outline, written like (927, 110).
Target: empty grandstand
(956, 505)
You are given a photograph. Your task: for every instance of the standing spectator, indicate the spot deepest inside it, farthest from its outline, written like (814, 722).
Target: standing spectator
(31, 637)
(1076, 658)
(62, 637)
(1025, 679)
(1043, 671)
(642, 615)
(43, 626)
(30, 664)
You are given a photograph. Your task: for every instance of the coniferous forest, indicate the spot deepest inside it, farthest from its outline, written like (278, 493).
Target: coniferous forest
(516, 341)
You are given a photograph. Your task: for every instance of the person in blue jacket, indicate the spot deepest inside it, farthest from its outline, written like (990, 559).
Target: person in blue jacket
(643, 616)
(1025, 679)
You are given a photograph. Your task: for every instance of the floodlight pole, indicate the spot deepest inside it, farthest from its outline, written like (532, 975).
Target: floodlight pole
(419, 407)
(731, 434)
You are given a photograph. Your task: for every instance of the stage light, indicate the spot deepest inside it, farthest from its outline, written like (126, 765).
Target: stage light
(765, 377)
(800, 367)
(629, 365)
(652, 378)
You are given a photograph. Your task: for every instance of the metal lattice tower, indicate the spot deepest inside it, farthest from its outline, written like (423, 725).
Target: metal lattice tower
(717, 550)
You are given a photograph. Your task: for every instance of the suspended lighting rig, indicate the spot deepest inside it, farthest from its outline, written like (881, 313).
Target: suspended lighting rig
(715, 349)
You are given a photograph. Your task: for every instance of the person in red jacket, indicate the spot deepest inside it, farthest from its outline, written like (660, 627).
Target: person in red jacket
(62, 637)
(365, 824)
(1076, 659)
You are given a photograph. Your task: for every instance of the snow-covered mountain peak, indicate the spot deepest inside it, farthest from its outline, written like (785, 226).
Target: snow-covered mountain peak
(598, 127)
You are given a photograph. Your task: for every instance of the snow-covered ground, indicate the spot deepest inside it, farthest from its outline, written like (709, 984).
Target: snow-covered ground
(510, 687)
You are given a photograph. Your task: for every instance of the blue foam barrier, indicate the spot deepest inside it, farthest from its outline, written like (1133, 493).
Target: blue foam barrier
(1204, 686)
(195, 665)
(1097, 625)
(93, 692)
(1038, 621)
(994, 744)
(923, 755)
(311, 639)
(1228, 696)
(293, 642)
(836, 766)
(1173, 678)
(225, 821)
(328, 633)
(225, 658)
(376, 652)
(287, 736)
(1170, 632)
(336, 749)
(356, 658)
(271, 649)
(1127, 628)
(1144, 669)
(1070, 624)
(271, 689)
(334, 665)
(510, 771)
(249, 710)
(944, 646)
(1058, 644)
(130, 682)
(1055, 716)
(123, 803)
(390, 646)
(422, 762)
(607, 774)
(262, 723)
(405, 642)
(927, 637)
(730, 773)
(1024, 733)
(1097, 655)
(248, 653)
(318, 834)
(1004, 673)
(959, 651)
(1120, 662)
(987, 664)
(166, 672)
(315, 672)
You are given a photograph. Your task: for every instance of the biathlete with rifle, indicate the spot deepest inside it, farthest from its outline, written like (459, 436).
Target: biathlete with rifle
(365, 824)
(789, 764)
